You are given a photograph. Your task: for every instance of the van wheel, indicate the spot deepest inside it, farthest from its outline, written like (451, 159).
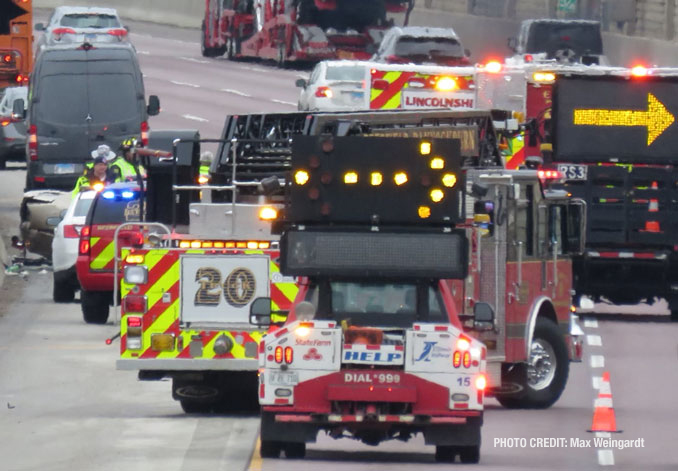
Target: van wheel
(63, 292)
(95, 306)
(3, 163)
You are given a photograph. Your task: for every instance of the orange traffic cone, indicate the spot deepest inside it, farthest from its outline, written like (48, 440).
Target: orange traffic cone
(653, 207)
(603, 412)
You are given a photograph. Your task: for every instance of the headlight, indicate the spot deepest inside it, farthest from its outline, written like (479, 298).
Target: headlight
(136, 275)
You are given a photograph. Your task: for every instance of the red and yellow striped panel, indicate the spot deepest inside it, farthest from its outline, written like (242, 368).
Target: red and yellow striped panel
(163, 277)
(389, 98)
(517, 154)
(102, 253)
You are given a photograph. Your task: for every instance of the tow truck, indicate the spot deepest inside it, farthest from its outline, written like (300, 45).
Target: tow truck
(297, 30)
(373, 349)
(530, 301)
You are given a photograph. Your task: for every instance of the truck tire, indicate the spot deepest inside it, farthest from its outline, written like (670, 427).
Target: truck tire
(544, 377)
(195, 407)
(674, 315)
(94, 306)
(446, 453)
(204, 49)
(294, 450)
(63, 292)
(469, 454)
(270, 449)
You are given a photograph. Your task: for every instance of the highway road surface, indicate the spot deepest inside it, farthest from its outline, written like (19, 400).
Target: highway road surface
(64, 406)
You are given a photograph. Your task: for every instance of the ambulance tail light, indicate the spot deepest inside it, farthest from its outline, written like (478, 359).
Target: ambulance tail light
(144, 133)
(323, 92)
(278, 354)
(466, 359)
(83, 248)
(289, 355)
(481, 382)
(456, 359)
(134, 331)
(136, 304)
(33, 142)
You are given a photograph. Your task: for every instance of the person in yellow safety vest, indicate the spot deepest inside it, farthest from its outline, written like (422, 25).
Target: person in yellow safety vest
(205, 163)
(96, 177)
(124, 164)
(103, 150)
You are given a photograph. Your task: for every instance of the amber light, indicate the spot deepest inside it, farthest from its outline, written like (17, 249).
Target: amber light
(400, 178)
(350, 178)
(278, 354)
(268, 213)
(301, 177)
(437, 163)
(494, 67)
(376, 178)
(639, 71)
(134, 259)
(446, 84)
(437, 195)
(456, 359)
(289, 355)
(449, 180)
(424, 212)
(425, 148)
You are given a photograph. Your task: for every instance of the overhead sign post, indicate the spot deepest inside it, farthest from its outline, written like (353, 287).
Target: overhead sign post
(615, 119)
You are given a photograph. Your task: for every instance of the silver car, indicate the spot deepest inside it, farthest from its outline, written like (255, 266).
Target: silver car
(335, 86)
(12, 129)
(76, 25)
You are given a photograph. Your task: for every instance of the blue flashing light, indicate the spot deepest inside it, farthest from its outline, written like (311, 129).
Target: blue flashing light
(108, 194)
(127, 195)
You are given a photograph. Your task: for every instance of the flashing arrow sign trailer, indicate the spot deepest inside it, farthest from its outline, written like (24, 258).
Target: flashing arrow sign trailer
(615, 119)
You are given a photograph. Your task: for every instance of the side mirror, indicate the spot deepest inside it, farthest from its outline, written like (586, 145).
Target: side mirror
(260, 312)
(53, 221)
(18, 110)
(483, 316)
(39, 27)
(301, 83)
(153, 105)
(512, 44)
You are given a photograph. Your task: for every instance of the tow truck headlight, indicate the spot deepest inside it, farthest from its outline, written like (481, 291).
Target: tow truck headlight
(136, 275)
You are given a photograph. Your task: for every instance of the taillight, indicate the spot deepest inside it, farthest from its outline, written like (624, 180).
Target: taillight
(136, 304)
(323, 92)
(84, 246)
(59, 32)
(7, 58)
(481, 382)
(5, 122)
(456, 359)
(71, 231)
(278, 354)
(134, 331)
(289, 355)
(120, 33)
(33, 142)
(133, 321)
(467, 359)
(144, 133)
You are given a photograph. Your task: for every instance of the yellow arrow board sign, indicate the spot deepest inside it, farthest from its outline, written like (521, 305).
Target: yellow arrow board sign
(656, 119)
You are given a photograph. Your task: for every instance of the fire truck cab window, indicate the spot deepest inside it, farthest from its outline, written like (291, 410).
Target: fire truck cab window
(524, 220)
(556, 229)
(543, 241)
(436, 311)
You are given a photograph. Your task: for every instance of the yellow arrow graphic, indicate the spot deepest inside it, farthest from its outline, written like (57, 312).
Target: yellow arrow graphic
(657, 118)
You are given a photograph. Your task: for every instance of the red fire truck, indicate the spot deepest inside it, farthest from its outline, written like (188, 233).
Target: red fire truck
(297, 30)
(16, 42)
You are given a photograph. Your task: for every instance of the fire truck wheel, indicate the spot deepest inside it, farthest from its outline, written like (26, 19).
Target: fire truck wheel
(270, 449)
(63, 292)
(295, 450)
(544, 377)
(446, 453)
(469, 454)
(95, 306)
(204, 49)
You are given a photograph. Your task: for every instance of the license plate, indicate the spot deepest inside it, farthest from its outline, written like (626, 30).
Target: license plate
(280, 378)
(91, 37)
(573, 172)
(61, 169)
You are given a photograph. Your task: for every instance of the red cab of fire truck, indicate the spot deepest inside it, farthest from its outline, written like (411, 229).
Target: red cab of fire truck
(373, 349)
(297, 30)
(186, 294)
(614, 137)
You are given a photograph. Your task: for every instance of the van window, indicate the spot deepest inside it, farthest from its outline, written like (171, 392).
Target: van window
(113, 98)
(57, 105)
(90, 20)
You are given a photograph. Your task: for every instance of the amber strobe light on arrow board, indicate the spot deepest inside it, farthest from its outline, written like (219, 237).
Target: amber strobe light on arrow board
(656, 119)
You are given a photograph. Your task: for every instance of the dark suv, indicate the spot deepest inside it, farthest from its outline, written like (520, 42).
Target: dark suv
(79, 98)
(421, 45)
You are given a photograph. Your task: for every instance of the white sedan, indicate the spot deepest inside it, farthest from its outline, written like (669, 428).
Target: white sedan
(335, 86)
(65, 247)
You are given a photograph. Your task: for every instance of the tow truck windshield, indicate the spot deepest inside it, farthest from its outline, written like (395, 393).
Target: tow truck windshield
(580, 37)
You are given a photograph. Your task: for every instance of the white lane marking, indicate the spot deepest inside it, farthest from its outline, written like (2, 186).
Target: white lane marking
(184, 84)
(193, 59)
(603, 435)
(235, 92)
(597, 361)
(591, 323)
(603, 402)
(259, 69)
(605, 458)
(596, 380)
(283, 102)
(195, 118)
(594, 340)
(144, 53)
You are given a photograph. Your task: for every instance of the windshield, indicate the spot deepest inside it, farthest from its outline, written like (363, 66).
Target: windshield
(113, 98)
(90, 20)
(433, 47)
(551, 37)
(348, 73)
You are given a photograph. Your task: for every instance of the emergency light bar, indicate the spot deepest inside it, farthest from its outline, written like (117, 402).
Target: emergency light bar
(377, 181)
(368, 254)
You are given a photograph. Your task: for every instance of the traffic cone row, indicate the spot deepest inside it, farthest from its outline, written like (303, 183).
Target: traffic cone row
(603, 411)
